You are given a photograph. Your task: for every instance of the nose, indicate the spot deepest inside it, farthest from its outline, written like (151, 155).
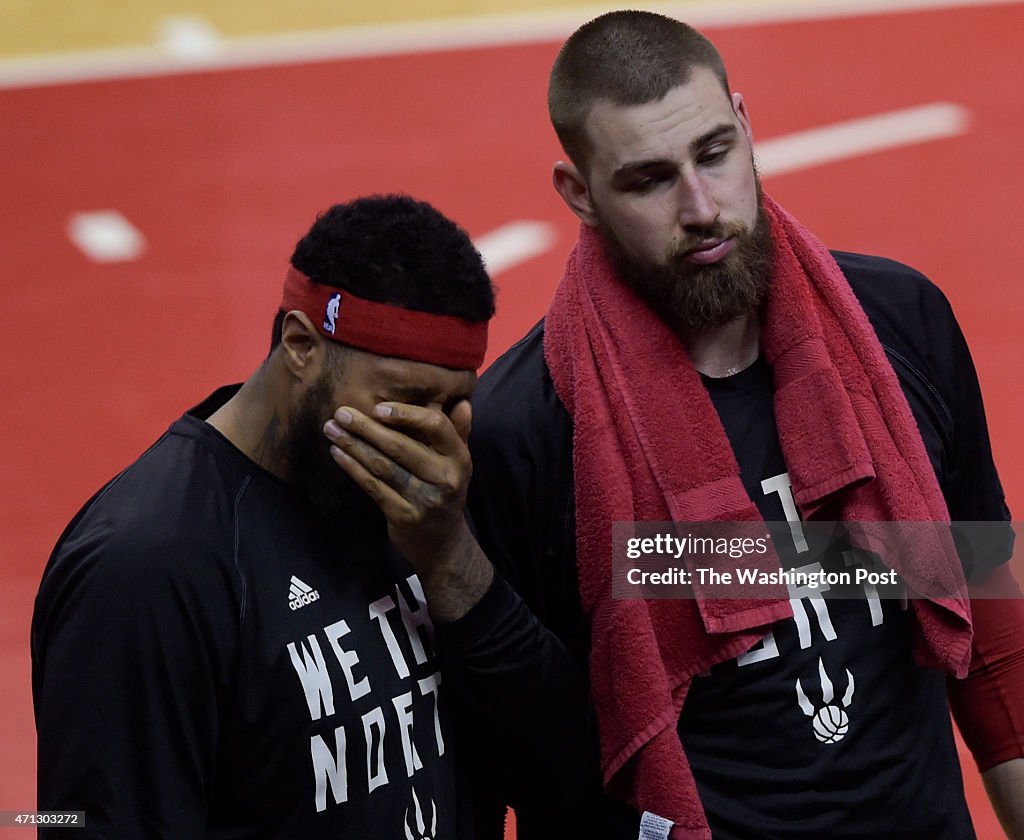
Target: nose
(697, 205)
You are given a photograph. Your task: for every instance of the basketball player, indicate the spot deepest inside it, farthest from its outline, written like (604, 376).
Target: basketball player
(706, 359)
(226, 642)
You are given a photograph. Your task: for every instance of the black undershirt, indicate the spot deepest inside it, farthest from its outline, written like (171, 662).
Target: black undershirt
(863, 747)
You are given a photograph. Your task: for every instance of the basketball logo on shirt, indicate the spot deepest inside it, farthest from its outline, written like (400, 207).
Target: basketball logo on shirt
(829, 722)
(419, 830)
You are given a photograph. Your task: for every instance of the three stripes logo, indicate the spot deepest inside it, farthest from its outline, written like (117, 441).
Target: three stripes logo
(300, 594)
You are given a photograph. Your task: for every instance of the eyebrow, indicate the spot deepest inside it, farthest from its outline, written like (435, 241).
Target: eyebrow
(725, 131)
(416, 395)
(411, 393)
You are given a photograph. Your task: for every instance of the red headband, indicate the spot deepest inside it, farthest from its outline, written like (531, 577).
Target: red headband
(385, 329)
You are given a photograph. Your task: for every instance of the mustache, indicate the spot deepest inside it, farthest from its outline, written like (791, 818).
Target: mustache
(693, 238)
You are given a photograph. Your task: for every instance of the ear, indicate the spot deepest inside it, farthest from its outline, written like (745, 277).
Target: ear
(739, 106)
(572, 186)
(302, 347)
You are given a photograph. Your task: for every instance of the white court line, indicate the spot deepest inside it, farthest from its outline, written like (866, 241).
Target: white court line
(105, 236)
(188, 37)
(514, 243)
(421, 36)
(863, 136)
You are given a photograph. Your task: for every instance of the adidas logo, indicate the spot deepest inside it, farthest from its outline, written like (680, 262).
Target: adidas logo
(301, 594)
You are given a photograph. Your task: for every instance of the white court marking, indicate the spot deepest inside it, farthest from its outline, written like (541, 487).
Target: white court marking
(105, 236)
(424, 36)
(188, 37)
(855, 138)
(514, 243)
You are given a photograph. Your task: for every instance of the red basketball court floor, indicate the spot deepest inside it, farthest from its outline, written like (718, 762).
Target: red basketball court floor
(214, 174)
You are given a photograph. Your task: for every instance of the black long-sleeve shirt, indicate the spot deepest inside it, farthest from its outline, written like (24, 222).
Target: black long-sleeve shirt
(521, 654)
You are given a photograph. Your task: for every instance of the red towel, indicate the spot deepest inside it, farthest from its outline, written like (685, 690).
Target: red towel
(648, 446)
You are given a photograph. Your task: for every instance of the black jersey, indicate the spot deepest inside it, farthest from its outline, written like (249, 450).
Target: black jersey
(523, 506)
(211, 659)
(829, 701)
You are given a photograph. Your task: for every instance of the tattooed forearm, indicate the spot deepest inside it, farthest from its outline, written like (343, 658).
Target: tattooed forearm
(453, 586)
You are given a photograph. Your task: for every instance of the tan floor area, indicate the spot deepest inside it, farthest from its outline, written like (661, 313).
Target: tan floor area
(30, 27)
(48, 27)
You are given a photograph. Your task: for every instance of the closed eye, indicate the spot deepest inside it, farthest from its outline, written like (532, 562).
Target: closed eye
(715, 154)
(645, 181)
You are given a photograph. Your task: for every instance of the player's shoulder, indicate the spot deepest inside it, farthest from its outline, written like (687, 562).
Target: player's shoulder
(517, 385)
(515, 406)
(520, 363)
(903, 305)
(165, 513)
(884, 286)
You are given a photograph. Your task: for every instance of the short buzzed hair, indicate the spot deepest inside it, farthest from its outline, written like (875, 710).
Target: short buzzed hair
(627, 57)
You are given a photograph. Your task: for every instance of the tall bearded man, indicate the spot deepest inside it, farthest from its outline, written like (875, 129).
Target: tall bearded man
(706, 359)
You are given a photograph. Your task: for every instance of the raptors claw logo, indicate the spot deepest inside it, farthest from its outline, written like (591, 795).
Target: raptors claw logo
(830, 722)
(420, 831)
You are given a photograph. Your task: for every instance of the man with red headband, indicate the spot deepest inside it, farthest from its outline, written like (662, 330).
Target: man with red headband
(706, 359)
(226, 642)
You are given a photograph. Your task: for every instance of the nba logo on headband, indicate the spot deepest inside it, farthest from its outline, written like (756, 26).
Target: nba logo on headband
(333, 305)
(386, 329)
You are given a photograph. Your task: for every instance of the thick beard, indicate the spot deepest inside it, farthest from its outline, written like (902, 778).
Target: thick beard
(698, 297)
(333, 495)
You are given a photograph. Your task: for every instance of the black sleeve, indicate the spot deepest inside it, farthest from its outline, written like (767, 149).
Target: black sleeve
(131, 658)
(920, 334)
(520, 655)
(525, 702)
(522, 497)
(970, 481)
